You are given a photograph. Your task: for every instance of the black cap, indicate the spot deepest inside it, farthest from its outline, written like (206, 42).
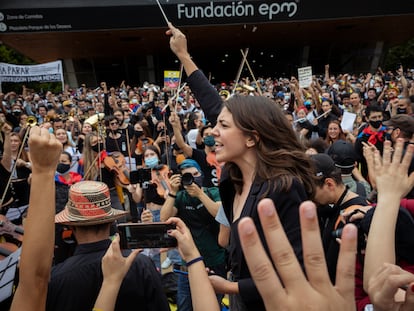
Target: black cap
(343, 154)
(324, 164)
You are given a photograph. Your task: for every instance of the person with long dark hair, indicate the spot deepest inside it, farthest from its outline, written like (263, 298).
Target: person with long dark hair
(263, 159)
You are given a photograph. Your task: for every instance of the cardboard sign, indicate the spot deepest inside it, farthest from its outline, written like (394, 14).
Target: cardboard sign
(305, 76)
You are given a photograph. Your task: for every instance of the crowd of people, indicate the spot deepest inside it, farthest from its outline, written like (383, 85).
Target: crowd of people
(283, 197)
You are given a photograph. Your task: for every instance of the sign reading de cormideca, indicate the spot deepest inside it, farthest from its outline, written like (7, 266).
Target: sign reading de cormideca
(128, 14)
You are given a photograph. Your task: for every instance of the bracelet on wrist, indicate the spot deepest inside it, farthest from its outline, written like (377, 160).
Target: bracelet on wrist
(193, 261)
(172, 195)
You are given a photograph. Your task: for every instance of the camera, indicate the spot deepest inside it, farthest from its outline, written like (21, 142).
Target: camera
(146, 235)
(336, 234)
(187, 179)
(140, 176)
(176, 147)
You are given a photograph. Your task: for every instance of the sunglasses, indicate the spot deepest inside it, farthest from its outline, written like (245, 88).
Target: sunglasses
(113, 123)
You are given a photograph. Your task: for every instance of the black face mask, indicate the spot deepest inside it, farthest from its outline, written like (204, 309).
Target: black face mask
(139, 133)
(62, 168)
(401, 110)
(98, 147)
(375, 124)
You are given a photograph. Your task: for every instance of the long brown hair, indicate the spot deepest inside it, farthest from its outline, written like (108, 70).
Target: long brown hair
(280, 156)
(90, 167)
(341, 135)
(23, 155)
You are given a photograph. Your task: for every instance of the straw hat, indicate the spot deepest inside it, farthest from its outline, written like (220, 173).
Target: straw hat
(89, 204)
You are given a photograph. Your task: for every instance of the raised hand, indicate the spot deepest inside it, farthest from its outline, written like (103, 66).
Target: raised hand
(288, 288)
(44, 149)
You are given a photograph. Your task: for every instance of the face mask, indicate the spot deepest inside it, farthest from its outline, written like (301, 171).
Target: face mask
(16, 112)
(308, 104)
(151, 162)
(209, 141)
(135, 101)
(199, 180)
(126, 120)
(98, 147)
(139, 133)
(63, 168)
(204, 120)
(375, 124)
(401, 110)
(378, 89)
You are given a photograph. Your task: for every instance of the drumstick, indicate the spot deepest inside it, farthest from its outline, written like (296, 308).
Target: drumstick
(174, 97)
(251, 72)
(236, 81)
(163, 13)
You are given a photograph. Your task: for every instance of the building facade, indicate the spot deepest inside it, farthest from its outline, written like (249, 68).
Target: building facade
(108, 40)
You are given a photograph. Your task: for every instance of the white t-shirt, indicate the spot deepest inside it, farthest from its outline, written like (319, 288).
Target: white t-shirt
(192, 137)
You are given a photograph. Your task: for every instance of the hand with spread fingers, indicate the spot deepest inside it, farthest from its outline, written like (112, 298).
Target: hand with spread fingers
(288, 288)
(393, 183)
(391, 169)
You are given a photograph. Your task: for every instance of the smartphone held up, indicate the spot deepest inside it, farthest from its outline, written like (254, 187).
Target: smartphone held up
(146, 235)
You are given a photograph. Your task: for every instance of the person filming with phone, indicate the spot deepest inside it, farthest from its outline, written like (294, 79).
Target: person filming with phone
(197, 206)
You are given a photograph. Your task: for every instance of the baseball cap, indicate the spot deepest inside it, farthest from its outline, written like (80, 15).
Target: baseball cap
(324, 164)
(342, 153)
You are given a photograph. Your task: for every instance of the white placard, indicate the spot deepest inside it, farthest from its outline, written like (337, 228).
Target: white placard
(305, 76)
(47, 72)
(348, 119)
